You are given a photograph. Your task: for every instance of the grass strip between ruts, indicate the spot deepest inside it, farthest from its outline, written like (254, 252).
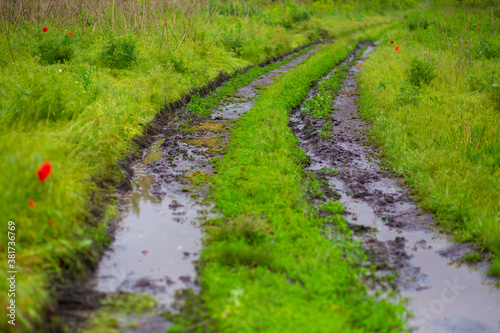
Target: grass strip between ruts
(267, 265)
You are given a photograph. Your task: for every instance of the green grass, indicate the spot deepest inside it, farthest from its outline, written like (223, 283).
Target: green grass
(320, 105)
(79, 101)
(122, 311)
(434, 106)
(272, 263)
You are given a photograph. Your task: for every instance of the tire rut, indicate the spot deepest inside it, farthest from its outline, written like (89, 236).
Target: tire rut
(398, 236)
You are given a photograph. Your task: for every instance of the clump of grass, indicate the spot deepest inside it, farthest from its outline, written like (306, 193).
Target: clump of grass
(55, 49)
(422, 72)
(320, 105)
(119, 52)
(121, 311)
(210, 126)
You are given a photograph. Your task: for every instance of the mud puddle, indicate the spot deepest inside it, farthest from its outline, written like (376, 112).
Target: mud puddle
(444, 296)
(159, 239)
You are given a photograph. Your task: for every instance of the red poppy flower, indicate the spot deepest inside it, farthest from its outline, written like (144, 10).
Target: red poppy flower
(396, 49)
(277, 31)
(359, 65)
(465, 42)
(258, 31)
(45, 29)
(69, 33)
(234, 16)
(272, 42)
(31, 203)
(121, 129)
(145, 251)
(478, 28)
(44, 171)
(51, 222)
(165, 24)
(316, 17)
(280, 38)
(392, 42)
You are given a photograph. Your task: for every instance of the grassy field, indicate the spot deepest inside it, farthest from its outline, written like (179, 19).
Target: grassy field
(79, 82)
(431, 91)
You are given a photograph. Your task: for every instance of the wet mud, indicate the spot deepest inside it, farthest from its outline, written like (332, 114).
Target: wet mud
(159, 238)
(398, 236)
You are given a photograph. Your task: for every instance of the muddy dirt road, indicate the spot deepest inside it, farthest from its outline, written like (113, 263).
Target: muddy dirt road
(399, 237)
(158, 240)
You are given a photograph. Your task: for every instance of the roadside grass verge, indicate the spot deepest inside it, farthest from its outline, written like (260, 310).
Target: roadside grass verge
(268, 265)
(72, 100)
(434, 108)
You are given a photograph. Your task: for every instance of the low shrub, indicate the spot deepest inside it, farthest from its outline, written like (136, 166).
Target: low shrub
(422, 72)
(55, 49)
(119, 52)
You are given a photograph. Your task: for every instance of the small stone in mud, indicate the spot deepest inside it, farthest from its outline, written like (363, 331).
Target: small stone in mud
(145, 251)
(186, 254)
(169, 281)
(174, 205)
(185, 278)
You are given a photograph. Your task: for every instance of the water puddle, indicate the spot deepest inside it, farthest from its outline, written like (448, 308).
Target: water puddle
(444, 296)
(158, 241)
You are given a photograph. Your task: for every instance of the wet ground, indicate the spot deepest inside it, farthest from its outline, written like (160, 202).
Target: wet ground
(158, 240)
(444, 296)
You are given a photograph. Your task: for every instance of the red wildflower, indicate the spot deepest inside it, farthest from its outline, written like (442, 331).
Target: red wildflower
(258, 31)
(69, 33)
(121, 129)
(45, 29)
(316, 17)
(165, 24)
(272, 42)
(478, 28)
(359, 65)
(280, 38)
(277, 31)
(145, 251)
(465, 42)
(234, 16)
(392, 42)
(31, 203)
(44, 171)
(51, 222)
(396, 49)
